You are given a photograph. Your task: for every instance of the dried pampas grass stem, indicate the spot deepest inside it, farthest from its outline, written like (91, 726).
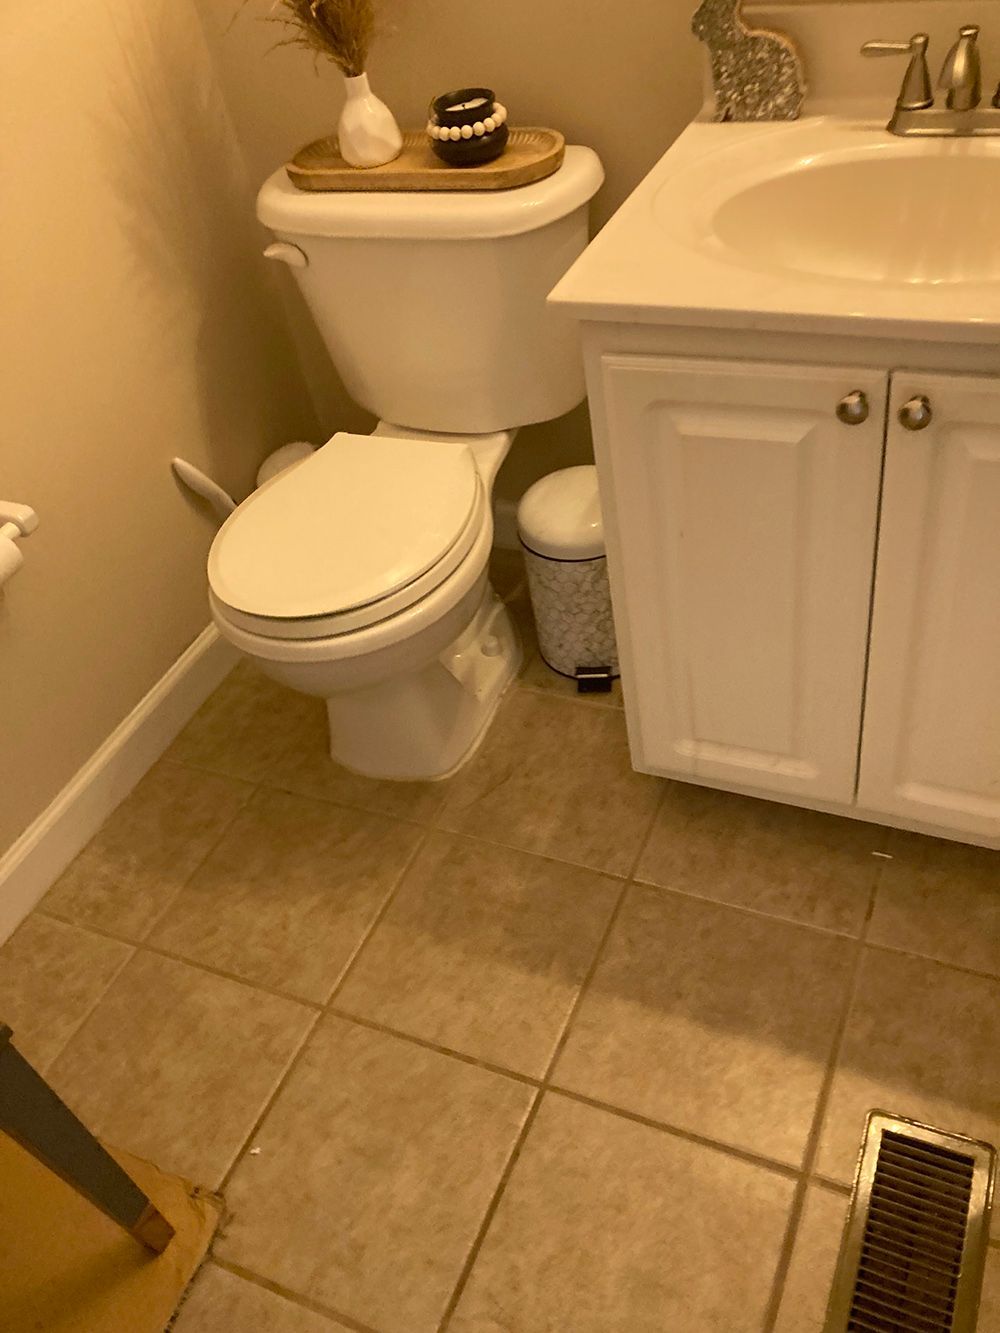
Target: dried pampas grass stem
(343, 30)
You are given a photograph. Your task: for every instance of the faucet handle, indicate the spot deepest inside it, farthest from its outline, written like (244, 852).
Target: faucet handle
(915, 94)
(960, 73)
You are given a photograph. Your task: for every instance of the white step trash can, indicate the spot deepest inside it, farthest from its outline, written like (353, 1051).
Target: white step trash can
(559, 524)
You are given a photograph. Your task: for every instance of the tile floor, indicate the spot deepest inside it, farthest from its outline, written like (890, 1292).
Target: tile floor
(553, 1047)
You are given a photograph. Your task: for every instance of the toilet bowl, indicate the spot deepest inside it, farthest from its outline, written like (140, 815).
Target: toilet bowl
(360, 574)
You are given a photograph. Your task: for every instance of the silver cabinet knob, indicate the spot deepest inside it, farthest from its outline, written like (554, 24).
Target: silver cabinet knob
(916, 414)
(852, 409)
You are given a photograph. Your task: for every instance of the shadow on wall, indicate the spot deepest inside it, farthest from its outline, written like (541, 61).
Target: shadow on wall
(187, 219)
(545, 448)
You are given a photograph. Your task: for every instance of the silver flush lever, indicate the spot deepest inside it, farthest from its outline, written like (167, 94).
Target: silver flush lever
(915, 93)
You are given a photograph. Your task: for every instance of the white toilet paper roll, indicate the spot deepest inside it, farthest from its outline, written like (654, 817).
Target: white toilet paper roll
(11, 560)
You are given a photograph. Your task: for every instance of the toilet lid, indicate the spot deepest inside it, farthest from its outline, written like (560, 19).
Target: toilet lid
(360, 520)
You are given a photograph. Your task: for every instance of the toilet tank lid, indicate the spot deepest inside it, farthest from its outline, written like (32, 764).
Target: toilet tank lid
(437, 215)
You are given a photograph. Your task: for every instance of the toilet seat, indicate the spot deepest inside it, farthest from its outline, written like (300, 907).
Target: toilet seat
(357, 533)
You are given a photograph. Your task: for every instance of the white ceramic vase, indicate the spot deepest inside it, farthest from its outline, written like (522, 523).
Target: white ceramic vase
(367, 133)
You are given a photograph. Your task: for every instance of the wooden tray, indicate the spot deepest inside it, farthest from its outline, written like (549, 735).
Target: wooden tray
(532, 153)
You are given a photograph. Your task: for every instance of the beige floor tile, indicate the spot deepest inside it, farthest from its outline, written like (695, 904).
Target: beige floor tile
(220, 1302)
(176, 1065)
(247, 725)
(940, 899)
(554, 777)
(607, 1226)
(51, 976)
(308, 770)
(256, 729)
(130, 872)
(989, 1309)
(289, 892)
(483, 950)
(814, 1261)
(711, 1020)
(376, 1166)
(777, 859)
(922, 1042)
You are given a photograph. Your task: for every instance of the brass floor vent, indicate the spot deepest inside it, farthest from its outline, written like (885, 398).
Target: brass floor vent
(915, 1241)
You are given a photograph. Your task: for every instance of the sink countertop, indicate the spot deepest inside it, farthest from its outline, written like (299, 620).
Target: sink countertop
(825, 224)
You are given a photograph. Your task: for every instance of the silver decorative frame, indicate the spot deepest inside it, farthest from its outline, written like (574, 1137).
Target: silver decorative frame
(757, 75)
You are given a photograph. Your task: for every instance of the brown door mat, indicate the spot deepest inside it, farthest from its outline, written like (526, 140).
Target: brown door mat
(66, 1268)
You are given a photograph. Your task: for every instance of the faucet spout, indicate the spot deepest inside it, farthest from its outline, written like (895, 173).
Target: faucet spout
(961, 77)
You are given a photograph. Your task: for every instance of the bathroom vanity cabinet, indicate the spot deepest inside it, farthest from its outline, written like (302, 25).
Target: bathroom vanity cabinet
(804, 557)
(807, 601)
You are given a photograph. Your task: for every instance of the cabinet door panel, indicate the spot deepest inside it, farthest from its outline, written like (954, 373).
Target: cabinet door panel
(742, 541)
(931, 749)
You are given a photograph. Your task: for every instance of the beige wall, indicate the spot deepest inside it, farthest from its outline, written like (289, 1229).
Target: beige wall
(624, 79)
(137, 324)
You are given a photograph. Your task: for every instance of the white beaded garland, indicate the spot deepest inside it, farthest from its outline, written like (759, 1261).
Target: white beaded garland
(481, 127)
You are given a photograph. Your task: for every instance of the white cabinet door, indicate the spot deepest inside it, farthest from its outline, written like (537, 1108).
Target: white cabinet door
(741, 520)
(931, 748)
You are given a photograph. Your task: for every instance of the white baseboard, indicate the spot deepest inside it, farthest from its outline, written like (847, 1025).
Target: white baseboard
(505, 525)
(45, 849)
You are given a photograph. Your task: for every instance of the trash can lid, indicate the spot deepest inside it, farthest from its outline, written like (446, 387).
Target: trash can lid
(560, 516)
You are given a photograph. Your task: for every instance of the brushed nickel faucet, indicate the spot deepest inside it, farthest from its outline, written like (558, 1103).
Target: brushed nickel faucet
(961, 116)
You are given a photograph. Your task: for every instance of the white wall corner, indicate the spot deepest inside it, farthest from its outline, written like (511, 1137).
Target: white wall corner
(45, 849)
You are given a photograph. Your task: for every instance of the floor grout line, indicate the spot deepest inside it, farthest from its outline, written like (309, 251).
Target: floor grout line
(819, 1119)
(281, 788)
(47, 1065)
(491, 1210)
(293, 1297)
(210, 852)
(293, 1064)
(545, 1083)
(243, 1148)
(929, 958)
(530, 851)
(427, 1044)
(828, 1182)
(480, 1237)
(137, 941)
(746, 1155)
(757, 912)
(198, 965)
(378, 918)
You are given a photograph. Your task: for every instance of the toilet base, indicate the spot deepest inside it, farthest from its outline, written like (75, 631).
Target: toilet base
(424, 725)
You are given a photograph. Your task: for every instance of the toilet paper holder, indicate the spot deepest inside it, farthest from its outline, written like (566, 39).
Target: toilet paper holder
(16, 521)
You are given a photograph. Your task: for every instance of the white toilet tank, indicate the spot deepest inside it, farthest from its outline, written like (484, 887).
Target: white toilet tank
(433, 306)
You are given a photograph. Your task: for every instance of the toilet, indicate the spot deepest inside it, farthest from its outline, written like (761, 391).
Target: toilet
(359, 574)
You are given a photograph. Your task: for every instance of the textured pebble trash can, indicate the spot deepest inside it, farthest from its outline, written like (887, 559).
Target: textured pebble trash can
(560, 527)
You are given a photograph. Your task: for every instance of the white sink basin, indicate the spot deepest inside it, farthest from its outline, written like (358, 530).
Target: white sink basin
(910, 218)
(826, 221)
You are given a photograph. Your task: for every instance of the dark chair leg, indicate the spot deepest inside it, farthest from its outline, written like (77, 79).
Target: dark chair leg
(32, 1114)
